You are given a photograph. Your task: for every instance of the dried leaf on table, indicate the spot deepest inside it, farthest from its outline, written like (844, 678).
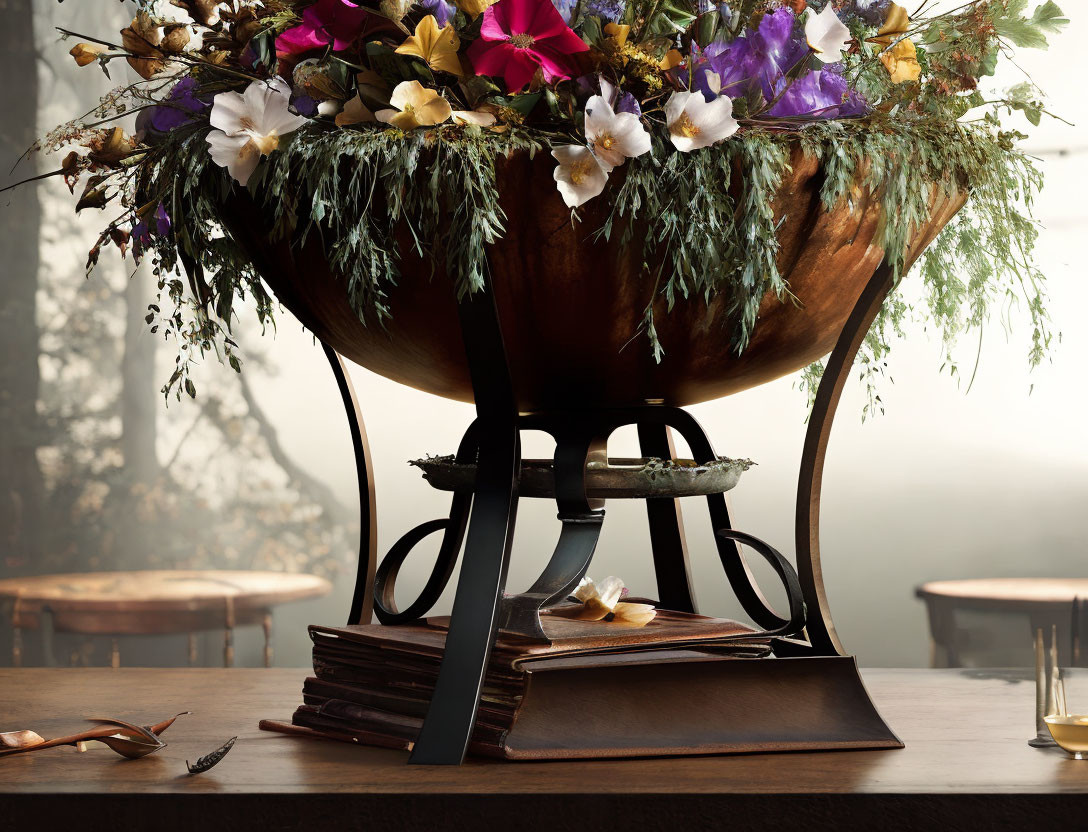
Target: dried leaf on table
(209, 760)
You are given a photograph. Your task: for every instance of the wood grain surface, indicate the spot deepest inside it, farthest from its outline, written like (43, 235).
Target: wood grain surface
(966, 765)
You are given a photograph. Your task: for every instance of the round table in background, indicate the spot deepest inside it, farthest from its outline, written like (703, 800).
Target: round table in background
(1047, 602)
(159, 602)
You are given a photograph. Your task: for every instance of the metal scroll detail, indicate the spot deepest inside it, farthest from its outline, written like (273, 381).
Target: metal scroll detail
(453, 534)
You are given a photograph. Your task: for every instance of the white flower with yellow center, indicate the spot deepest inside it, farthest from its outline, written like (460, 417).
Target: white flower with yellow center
(580, 176)
(614, 136)
(413, 105)
(249, 125)
(826, 35)
(693, 123)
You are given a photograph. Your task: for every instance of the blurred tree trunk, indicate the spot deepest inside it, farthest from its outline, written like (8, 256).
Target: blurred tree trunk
(140, 401)
(21, 486)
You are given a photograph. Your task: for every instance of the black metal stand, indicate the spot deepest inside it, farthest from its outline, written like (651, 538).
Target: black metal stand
(485, 520)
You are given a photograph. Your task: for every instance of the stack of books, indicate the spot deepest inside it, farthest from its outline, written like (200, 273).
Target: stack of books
(599, 689)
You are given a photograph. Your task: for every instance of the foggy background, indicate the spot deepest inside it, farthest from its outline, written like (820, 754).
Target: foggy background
(944, 485)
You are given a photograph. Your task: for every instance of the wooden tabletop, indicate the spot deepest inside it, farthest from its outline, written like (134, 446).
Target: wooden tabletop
(1008, 593)
(153, 600)
(966, 765)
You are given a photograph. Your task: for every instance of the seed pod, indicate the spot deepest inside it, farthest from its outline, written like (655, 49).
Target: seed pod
(209, 760)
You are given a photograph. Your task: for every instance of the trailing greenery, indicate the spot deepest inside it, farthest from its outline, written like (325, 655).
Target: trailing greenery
(705, 234)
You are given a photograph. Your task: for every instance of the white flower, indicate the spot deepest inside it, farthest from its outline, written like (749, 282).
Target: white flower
(613, 136)
(413, 105)
(480, 118)
(826, 34)
(693, 123)
(579, 177)
(607, 593)
(602, 599)
(249, 126)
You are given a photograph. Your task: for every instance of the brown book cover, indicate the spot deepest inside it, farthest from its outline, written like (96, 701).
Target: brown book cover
(690, 685)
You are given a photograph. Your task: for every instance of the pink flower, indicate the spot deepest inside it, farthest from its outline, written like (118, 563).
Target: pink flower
(517, 36)
(327, 23)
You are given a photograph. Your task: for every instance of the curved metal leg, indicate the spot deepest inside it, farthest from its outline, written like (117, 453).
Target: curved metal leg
(452, 712)
(385, 580)
(451, 715)
(362, 601)
(821, 630)
(582, 520)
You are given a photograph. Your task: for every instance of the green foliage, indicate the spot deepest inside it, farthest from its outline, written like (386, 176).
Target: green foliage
(705, 220)
(1011, 23)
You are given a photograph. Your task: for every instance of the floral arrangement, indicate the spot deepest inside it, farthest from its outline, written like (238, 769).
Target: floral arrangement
(651, 105)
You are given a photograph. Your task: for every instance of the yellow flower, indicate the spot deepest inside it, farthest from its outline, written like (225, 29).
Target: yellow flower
(618, 32)
(354, 112)
(900, 60)
(896, 23)
(473, 8)
(672, 59)
(438, 47)
(412, 105)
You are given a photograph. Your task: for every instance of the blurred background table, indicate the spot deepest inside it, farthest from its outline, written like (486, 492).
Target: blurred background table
(1040, 602)
(158, 602)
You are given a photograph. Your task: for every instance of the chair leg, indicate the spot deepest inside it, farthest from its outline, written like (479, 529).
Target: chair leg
(447, 728)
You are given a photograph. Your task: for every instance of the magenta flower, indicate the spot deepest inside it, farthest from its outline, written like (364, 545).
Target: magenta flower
(327, 23)
(518, 36)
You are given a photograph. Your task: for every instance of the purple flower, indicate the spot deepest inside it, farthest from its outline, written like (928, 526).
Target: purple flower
(606, 9)
(181, 106)
(627, 103)
(142, 231)
(759, 57)
(820, 94)
(565, 8)
(621, 101)
(443, 12)
(304, 105)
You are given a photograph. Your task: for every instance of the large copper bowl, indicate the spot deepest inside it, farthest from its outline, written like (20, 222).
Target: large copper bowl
(569, 305)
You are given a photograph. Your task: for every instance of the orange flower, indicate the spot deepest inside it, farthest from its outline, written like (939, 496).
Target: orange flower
(85, 53)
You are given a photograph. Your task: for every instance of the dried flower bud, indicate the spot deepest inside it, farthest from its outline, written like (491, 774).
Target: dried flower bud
(395, 9)
(175, 38)
(244, 31)
(111, 148)
(86, 53)
(142, 38)
(204, 12)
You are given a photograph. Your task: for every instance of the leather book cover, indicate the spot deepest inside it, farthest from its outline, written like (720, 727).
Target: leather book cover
(687, 704)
